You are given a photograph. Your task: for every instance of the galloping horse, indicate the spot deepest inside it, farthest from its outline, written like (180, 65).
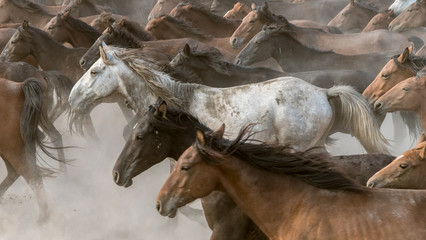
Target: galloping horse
(413, 16)
(21, 114)
(278, 103)
(64, 28)
(353, 18)
(167, 132)
(406, 171)
(320, 202)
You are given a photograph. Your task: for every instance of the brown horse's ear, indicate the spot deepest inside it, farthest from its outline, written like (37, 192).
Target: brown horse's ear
(422, 153)
(110, 30)
(65, 15)
(265, 7)
(410, 49)
(186, 50)
(25, 24)
(161, 110)
(218, 133)
(200, 137)
(121, 22)
(404, 56)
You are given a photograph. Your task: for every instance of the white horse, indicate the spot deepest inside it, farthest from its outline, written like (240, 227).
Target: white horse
(288, 110)
(400, 5)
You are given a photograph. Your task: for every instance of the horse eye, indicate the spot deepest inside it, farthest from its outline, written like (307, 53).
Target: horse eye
(50, 28)
(403, 165)
(251, 21)
(93, 72)
(139, 137)
(409, 10)
(185, 168)
(385, 76)
(406, 89)
(374, 23)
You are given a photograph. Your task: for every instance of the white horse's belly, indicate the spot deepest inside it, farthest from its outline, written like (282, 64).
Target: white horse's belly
(289, 111)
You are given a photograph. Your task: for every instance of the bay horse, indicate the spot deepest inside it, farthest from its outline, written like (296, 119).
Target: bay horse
(279, 42)
(212, 70)
(405, 96)
(406, 171)
(380, 21)
(202, 18)
(257, 176)
(353, 18)
(64, 28)
(412, 17)
(140, 81)
(20, 116)
(167, 132)
(360, 43)
(398, 6)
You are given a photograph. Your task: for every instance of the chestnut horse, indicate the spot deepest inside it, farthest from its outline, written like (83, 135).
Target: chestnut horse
(380, 21)
(407, 95)
(406, 171)
(238, 11)
(20, 117)
(353, 18)
(167, 132)
(412, 17)
(320, 202)
(202, 18)
(64, 28)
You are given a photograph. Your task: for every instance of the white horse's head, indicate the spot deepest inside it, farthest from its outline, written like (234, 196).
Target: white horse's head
(101, 83)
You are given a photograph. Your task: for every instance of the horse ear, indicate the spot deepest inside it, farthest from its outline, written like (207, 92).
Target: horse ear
(200, 137)
(265, 7)
(422, 153)
(25, 24)
(253, 6)
(422, 138)
(110, 30)
(121, 22)
(187, 50)
(161, 110)
(66, 14)
(106, 57)
(218, 133)
(404, 55)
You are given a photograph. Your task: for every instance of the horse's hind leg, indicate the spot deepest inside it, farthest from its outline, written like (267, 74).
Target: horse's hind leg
(34, 179)
(11, 177)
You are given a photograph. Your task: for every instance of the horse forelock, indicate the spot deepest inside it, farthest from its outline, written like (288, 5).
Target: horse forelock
(312, 168)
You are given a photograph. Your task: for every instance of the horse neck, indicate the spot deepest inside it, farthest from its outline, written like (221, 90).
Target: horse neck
(256, 198)
(47, 51)
(78, 38)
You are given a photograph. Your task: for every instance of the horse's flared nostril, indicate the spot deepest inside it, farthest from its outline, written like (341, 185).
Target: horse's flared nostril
(378, 106)
(370, 184)
(82, 63)
(116, 177)
(158, 206)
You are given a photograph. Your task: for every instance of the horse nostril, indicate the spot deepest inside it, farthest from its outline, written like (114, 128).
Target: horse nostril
(238, 61)
(370, 184)
(158, 206)
(116, 176)
(82, 63)
(378, 105)
(234, 41)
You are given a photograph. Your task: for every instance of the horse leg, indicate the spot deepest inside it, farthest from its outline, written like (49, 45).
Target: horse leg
(11, 177)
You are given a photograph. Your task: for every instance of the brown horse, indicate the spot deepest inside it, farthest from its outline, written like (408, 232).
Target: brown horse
(163, 7)
(20, 116)
(103, 20)
(259, 16)
(212, 70)
(380, 21)
(406, 171)
(50, 54)
(167, 132)
(353, 18)
(64, 28)
(238, 12)
(407, 95)
(16, 11)
(412, 17)
(202, 18)
(257, 176)
(377, 41)
(280, 43)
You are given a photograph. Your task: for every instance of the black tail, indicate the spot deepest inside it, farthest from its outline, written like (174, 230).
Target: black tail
(62, 86)
(32, 116)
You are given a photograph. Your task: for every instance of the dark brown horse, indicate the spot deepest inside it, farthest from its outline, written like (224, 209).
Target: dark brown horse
(64, 28)
(293, 55)
(20, 117)
(209, 67)
(290, 195)
(202, 18)
(167, 132)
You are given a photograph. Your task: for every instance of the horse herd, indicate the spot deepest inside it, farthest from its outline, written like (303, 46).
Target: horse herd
(280, 76)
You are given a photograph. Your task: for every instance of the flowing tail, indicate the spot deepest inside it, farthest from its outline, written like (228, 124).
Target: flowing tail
(352, 115)
(32, 116)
